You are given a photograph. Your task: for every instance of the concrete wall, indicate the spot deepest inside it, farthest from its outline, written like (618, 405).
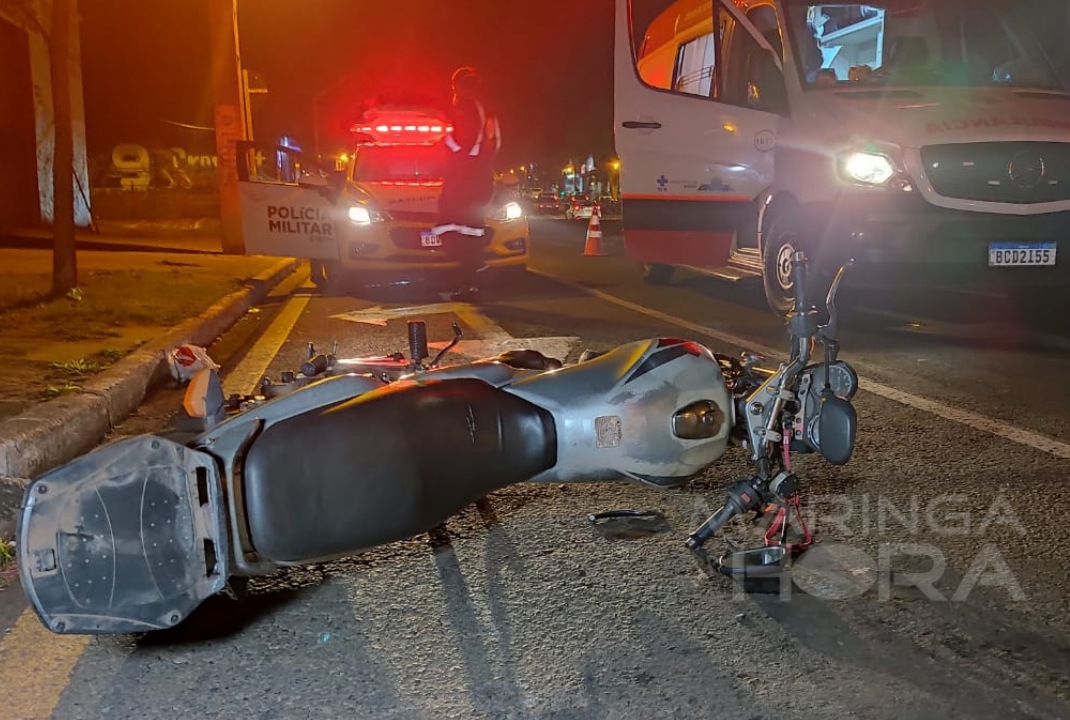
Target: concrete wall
(114, 204)
(35, 17)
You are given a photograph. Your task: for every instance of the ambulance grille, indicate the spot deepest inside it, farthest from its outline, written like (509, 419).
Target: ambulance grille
(1003, 172)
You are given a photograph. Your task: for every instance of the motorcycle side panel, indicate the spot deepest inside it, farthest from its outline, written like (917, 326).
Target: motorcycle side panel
(614, 412)
(127, 538)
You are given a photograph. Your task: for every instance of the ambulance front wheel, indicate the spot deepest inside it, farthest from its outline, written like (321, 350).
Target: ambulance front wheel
(658, 274)
(777, 253)
(785, 237)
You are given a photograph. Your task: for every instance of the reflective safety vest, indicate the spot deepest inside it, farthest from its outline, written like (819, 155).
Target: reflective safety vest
(489, 131)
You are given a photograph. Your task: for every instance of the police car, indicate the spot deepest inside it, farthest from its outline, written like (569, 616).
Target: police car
(376, 215)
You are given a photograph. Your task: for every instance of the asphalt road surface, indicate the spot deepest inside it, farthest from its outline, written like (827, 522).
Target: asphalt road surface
(939, 587)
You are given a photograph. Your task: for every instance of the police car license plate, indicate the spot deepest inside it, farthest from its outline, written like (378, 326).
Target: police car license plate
(1021, 254)
(429, 239)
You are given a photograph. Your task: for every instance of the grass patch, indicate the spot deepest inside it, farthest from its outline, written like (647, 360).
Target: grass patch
(123, 298)
(77, 368)
(7, 554)
(112, 355)
(55, 391)
(120, 290)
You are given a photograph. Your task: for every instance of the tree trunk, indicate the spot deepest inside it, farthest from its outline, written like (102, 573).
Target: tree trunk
(64, 257)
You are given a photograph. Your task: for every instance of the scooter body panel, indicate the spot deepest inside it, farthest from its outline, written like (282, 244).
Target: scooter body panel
(614, 412)
(128, 538)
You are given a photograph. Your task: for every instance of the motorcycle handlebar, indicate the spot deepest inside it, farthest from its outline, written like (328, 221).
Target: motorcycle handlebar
(799, 276)
(711, 526)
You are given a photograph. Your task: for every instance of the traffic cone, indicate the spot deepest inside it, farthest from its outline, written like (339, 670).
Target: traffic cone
(593, 246)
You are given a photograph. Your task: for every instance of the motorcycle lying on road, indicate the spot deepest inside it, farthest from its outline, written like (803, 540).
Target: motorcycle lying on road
(134, 535)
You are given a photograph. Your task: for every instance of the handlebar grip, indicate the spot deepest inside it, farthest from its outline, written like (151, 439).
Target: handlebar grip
(711, 526)
(799, 273)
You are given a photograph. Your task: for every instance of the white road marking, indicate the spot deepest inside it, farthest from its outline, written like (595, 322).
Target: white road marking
(379, 316)
(493, 339)
(246, 376)
(490, 338)
(973, 420)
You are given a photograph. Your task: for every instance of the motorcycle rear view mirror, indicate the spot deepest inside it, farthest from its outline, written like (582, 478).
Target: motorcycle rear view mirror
(837, 426)
(759, 569)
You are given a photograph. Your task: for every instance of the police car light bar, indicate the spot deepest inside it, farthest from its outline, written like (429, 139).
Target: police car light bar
(403, 128)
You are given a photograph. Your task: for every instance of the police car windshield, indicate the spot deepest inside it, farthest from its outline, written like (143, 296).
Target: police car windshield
(958, 43)
(396, 163)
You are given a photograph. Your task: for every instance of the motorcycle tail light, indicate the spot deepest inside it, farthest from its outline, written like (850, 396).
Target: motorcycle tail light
(699, 420)
(689, 346)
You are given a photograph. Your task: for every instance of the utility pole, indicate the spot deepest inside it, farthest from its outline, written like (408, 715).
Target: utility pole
(230, 116)
(64, 250)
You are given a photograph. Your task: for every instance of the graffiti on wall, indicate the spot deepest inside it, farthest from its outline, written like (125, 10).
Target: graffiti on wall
(134, 167)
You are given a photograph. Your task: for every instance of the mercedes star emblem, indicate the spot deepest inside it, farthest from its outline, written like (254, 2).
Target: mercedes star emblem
(1026, 169)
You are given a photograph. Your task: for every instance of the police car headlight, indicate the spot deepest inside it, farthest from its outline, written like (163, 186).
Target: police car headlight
(364, 215)
(513, 211)
(360, 215)
(867, 168)
(507, 212)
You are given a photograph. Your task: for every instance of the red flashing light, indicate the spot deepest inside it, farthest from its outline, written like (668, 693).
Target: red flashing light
(408, 183)
(402, 127)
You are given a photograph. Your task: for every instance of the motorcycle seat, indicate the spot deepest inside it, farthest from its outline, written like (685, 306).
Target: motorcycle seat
(387, 465)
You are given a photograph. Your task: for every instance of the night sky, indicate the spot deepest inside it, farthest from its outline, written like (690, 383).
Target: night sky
(547, 64)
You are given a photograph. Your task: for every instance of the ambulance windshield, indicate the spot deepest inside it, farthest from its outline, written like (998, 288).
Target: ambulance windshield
(399, 163)
(961, 43)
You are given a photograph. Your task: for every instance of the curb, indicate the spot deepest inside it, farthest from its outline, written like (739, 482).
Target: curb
(57, 431)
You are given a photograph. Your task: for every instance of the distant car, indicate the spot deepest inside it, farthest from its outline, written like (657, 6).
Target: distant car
(581, 207)
(547, 204)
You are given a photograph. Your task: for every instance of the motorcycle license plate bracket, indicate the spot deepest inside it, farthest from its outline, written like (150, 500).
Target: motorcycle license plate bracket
(125, 539)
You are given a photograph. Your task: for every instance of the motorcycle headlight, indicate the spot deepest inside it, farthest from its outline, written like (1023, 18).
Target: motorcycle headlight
(509, 211)
(364, 215)
(867, 168)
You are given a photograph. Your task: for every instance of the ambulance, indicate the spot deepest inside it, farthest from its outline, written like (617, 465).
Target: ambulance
(372, 219)
(927, 139)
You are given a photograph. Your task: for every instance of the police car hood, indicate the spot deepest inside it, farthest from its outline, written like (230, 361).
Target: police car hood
(914, 117)
(403, 198)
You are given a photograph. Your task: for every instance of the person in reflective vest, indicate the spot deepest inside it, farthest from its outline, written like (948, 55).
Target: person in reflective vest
(469, 177)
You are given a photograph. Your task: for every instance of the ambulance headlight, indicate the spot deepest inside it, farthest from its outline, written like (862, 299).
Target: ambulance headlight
(867, 168)
(507, 212)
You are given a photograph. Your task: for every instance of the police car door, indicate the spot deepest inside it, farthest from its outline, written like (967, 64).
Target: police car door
(694, 131)
(286, 203)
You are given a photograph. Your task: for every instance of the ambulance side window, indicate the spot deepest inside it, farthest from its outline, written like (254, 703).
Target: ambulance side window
(693, 73)
(750, 75)
(675, 47)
